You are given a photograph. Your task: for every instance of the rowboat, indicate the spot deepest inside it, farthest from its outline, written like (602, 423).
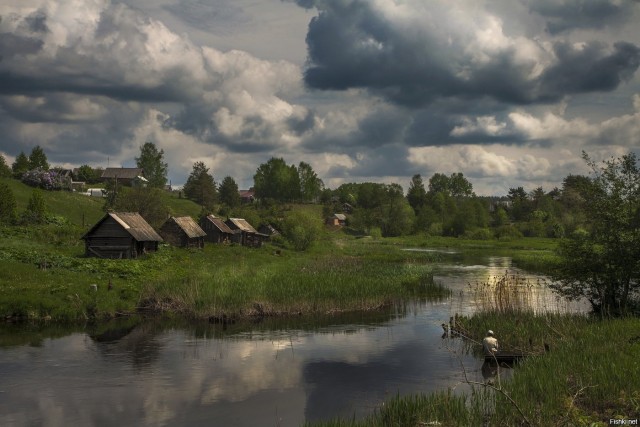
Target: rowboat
(504, 357)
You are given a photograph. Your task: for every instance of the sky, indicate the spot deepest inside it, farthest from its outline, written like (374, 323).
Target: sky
(508, 92)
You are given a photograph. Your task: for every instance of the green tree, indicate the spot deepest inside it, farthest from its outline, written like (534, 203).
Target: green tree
(36, 210)
(520, 204)
(602, 263)
(276, 180)
(5, 170)
(148, 202)
(459, 186)
(310, 185)
(201, 187)
(20, 165)
(301, 229)
(8, 205)
(152, 162)
(38, 159)
(416, 194)
(228, 191)
(88, 174)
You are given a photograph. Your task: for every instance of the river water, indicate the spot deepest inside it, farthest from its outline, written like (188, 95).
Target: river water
(279, 372)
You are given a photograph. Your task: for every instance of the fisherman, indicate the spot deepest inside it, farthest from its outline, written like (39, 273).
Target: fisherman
(490, 344)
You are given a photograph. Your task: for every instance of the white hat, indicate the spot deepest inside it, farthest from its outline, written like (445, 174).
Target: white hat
(489, 332)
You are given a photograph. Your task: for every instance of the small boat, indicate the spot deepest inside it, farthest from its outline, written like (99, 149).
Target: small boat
(504, 357)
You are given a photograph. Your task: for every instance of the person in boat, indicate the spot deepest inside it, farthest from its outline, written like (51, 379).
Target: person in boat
(490, 344)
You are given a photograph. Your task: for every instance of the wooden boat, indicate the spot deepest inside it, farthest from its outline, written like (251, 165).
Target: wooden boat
(504, 357)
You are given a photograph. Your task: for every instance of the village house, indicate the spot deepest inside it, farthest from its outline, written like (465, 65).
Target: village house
(337, 220)
(248, 235)
(216, 229)
(183, 232)
(124, 176)
(121, 235)
(247, 196)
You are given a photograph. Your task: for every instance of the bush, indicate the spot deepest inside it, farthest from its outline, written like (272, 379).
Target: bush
(508, 232)
(479, 234)
(47, 180)
(7, 205)
(301, 230)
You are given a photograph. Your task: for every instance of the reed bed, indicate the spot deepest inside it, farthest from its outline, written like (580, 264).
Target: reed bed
(514, 292)
(292, 286)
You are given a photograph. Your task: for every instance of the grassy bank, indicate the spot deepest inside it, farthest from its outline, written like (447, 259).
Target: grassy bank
(45, 276)
(589, 375)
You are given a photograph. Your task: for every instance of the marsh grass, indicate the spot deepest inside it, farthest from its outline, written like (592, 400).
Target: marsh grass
(514, 292)
(266, 285)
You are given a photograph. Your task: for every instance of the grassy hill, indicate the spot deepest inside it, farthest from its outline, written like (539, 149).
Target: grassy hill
(83, 210)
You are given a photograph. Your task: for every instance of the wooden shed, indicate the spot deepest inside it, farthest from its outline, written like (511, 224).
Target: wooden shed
(121, 235)
(248, 235)
(183, 231)
(216, 229)
(337, 220)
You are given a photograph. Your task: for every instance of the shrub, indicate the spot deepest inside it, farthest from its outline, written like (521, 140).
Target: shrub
(508, 232)
(7, 205)
(479, 234)
(301, 230)
(46, 179)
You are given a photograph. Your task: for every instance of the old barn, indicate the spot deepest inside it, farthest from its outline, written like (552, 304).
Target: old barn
(216, 229)
(183, 231)
(248, 235)
(121, 235)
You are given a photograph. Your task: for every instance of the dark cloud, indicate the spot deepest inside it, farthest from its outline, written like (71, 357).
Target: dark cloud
(351, 44)
(589, 68)
(566, 15)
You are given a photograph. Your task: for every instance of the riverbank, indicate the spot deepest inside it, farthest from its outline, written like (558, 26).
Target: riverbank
(45, 276)
(583, 371)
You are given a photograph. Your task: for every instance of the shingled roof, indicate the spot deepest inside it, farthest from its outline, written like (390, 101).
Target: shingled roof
(243, 225)
(219, 223)
(189, 226)
(122, 173)
(132, 223)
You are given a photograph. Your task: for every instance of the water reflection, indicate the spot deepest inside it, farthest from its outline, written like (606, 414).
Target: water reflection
(277, 372)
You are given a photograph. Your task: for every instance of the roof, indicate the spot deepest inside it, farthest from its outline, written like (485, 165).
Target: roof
(219, 223)
(189, 226)
(123, 173)
(341, 217)
(243, 225)
(133, 223)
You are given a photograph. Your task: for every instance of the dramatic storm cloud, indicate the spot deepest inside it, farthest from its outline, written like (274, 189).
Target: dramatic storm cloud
(507, 92)
(414, 52)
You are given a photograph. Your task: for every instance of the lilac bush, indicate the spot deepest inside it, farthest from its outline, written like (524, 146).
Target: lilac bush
(47, 180)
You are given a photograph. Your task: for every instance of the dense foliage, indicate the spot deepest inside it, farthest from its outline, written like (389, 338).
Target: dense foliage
(5, 170)
(8, 205)
(602, 262)
(46, 179)
(152, 162)
(201, 187)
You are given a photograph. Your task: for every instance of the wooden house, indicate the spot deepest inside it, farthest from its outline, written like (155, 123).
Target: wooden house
(248, 236)
(183, 231)
(216, 229)
(247, 196)
(124, 176)
(268, 230)
(337, 220)
(121, 235)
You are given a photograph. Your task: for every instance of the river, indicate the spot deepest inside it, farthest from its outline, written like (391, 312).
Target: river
(279, 372)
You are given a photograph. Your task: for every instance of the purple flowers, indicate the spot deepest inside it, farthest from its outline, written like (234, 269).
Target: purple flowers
(47, 180)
